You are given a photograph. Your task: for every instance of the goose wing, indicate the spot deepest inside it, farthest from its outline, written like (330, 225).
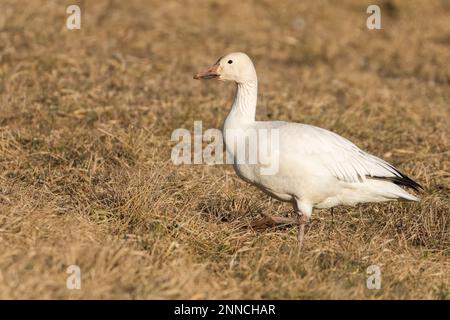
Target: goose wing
(344, 160)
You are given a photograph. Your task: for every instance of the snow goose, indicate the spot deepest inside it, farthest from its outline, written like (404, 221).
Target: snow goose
(316, 168)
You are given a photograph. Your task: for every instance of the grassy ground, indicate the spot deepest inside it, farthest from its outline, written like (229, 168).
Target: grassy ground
(85, 171)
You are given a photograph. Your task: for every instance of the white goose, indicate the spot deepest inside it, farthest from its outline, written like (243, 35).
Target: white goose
(317, 168)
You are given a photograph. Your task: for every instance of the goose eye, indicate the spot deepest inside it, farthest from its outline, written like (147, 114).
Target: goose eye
(230, 61)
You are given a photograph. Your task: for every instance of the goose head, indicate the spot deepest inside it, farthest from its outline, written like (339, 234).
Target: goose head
(236, 66)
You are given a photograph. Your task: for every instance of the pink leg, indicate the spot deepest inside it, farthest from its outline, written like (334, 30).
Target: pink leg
(270, 221)
(302, 221)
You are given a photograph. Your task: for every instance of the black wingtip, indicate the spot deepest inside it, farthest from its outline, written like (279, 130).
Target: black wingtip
(403, 181)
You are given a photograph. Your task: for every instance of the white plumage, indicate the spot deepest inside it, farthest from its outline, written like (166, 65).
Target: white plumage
(317, 168)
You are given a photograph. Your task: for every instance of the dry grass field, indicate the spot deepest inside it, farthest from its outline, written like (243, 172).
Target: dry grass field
(86, 178)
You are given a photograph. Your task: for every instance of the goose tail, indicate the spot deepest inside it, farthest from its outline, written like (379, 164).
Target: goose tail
(390, 190)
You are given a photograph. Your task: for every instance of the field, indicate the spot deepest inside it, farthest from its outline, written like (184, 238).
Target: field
(86, 178)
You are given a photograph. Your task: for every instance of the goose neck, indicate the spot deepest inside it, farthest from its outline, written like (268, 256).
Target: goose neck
(244, 105)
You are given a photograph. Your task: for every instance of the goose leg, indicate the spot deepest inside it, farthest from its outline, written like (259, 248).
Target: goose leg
(302, 221)
(271, 221)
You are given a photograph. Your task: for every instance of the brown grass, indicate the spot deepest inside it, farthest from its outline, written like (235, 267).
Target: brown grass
(85, 170)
